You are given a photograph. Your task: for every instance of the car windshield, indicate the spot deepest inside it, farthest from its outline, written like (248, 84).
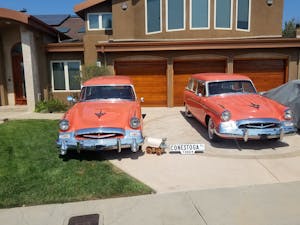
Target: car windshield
(230, 87)
(107, 92)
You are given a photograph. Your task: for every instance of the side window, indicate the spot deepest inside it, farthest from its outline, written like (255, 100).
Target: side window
(195, 86)
(82, 94)
(201, 88)
(190, 85)
(99, 21)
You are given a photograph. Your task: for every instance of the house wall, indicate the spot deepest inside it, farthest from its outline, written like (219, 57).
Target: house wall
(90, 38)
(130, 24)
(43, 66)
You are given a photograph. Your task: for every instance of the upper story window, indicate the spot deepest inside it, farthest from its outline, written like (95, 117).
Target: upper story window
(175, 15)
(200, 14)
(65, 75)
(223, 14)
(99, 21)
(153, 15)
(243, 15)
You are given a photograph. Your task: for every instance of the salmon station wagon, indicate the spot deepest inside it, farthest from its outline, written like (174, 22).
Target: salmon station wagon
(107, 116)
(229, 106)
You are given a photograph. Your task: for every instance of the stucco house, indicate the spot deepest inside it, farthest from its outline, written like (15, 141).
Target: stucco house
(159, 43)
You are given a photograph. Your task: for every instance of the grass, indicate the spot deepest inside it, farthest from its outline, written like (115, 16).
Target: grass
(32, 173)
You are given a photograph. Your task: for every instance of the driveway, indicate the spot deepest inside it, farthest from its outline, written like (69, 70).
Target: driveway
(229, 163)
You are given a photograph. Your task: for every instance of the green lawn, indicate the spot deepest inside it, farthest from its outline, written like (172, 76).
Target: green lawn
(31, 171)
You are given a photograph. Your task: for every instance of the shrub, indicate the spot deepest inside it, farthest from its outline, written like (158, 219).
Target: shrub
(50, 106)
(91, 71)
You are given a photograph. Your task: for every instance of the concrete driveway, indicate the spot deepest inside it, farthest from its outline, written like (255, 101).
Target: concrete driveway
(229, 163)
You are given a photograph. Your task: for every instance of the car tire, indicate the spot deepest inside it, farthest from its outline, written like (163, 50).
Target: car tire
(211, 131)
(187, 112)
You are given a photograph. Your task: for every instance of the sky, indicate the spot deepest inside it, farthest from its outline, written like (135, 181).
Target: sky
(37, 7)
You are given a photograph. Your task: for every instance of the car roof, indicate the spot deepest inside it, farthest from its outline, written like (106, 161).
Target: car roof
(219, 76)
(105, 80)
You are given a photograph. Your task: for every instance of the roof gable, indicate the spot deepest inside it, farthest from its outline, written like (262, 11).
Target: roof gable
(86, 4)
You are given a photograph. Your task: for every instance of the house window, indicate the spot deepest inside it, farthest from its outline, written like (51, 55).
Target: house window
(243, 14)
(153, 15)
(99, 21)
(65, 75)
(200, 14)
(223, 14)
(175, 15)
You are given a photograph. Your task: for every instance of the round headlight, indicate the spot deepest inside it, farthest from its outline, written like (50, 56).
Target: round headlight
(64, 125)
(288, 114)
(135, 122)
(226, 115)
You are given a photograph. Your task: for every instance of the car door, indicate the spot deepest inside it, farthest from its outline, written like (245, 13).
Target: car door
(189, 95)
(199, 101)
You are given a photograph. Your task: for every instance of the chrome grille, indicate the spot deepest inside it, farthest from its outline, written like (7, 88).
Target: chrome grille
(100, 136)
(100, 133)
(259, 125)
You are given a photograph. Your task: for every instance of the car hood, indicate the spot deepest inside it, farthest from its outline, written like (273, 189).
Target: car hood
(102, 114)
(249, 106)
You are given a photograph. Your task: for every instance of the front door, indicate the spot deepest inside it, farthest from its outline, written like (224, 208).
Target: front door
(19, 79)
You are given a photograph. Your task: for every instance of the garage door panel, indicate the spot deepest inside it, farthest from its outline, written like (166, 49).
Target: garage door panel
(184, 69)
(273, 65)
(205, 66)
(141, 68)
(265, 74)
(180, 82)
(149, 79)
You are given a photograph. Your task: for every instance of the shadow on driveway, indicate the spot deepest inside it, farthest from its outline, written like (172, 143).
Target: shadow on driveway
(234, 143)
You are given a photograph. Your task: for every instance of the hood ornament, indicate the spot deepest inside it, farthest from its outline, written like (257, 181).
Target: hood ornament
(254, 105)
(100, 114)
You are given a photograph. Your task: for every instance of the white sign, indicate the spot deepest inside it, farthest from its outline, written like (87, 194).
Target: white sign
(187, 149)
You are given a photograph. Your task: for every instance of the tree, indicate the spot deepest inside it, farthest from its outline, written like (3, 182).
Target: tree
(289, 30)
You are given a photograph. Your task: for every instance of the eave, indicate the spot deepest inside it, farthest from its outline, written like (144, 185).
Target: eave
(85, 5)
(65, 47)
(198, 45)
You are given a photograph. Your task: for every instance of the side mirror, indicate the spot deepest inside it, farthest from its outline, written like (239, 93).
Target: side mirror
(70, 99)
(199, 94)
(142, 99)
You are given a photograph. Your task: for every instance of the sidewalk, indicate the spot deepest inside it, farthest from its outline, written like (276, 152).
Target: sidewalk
(276, 204)
(29, 115)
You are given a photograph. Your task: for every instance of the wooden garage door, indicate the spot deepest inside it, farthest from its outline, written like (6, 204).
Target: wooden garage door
(149, 79)
(265, 73)
(184, 69)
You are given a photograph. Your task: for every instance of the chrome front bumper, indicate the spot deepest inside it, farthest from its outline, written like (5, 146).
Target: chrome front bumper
(232, 129)
(131, 139)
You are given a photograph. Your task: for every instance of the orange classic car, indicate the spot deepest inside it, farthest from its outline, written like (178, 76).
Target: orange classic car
(107, 116)
(229, 106)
